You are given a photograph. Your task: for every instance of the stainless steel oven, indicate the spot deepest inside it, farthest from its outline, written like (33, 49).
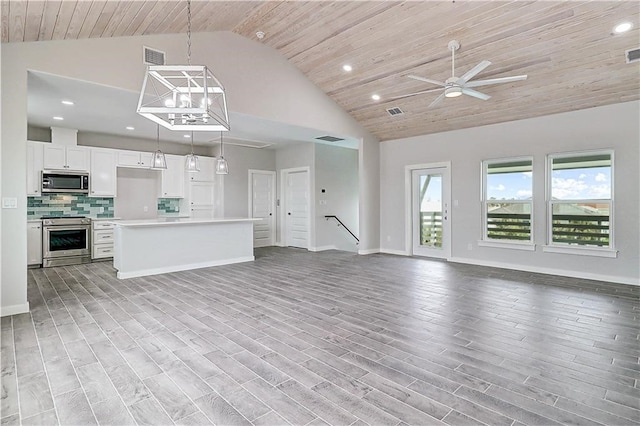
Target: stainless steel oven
(66, 241)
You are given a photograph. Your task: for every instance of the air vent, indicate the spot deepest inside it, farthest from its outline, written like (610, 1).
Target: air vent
(329, 139)
(632, 55)
(152, 56)
(395, 111)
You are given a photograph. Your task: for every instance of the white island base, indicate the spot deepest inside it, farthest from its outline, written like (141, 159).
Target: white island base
(157, 246)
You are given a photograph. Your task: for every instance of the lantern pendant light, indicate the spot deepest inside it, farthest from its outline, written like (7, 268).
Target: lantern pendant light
(222, 167)
(158, 161)
(184, 97)
(192, 160)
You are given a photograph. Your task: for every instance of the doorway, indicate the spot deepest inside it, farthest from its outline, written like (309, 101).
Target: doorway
(262, 186)
(428, 204)
(296, 207)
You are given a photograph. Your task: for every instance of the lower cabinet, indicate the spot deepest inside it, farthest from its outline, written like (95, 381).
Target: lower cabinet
(34, 243)
(101, 239)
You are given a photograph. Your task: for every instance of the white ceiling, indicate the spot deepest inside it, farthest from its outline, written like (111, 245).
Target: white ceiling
(109, 110)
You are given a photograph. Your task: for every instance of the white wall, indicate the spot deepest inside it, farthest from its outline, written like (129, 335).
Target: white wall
(259, 81)
(613, 126)
(336, 171)
(236, 183)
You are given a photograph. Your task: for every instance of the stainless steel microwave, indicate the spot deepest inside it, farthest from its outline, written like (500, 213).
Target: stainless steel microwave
(59, 181)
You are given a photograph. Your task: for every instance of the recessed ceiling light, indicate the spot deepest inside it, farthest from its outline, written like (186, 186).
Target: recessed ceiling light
(260, 35)
(375, 97)
(130, 128)
(67, 102)
(347, 67)
(622, 27)
(58, 118)
(186, 136)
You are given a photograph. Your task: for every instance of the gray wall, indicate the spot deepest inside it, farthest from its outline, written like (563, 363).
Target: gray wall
(336, 171)
(259, 81)
(614, 126)
(236, 183)
(137, 190)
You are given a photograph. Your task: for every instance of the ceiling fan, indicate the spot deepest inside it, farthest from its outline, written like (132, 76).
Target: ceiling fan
(456, 86)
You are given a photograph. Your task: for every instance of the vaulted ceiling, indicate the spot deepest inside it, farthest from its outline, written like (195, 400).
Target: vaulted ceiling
(567, 49)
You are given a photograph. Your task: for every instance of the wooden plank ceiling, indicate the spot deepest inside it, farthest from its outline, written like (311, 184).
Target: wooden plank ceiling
(566, 47)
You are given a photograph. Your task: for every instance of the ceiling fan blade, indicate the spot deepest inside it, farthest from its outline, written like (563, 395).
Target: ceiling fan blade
(473, 72)
(413, 94)
(436, 101)
(426, 80)
(475, 94)
(477, 83)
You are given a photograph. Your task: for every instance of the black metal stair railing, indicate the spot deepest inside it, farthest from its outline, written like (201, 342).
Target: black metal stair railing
(343, 225)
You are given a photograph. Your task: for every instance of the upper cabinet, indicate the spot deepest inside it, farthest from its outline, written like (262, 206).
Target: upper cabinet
(34, 168)
(60, 157)
(134, 159)
(103, 173)
(172, 185)
(207, 170)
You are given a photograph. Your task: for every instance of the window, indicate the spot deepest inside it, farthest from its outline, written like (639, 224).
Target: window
(580, 204)
(507, 201)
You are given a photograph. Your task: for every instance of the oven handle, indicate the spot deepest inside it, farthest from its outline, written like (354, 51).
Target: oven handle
(66, 227)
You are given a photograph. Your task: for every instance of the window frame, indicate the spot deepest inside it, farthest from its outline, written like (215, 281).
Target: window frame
(485, 241)
(566, 248)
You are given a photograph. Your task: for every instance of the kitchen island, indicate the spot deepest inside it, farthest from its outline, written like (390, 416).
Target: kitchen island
(157, 246)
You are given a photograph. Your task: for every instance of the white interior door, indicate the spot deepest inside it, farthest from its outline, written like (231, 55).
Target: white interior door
(430, 212)
(261, 205)
(296, 209)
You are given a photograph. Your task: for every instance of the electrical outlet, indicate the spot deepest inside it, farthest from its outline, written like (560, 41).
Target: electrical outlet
(145, 209)
(469, 246)
(388, 238)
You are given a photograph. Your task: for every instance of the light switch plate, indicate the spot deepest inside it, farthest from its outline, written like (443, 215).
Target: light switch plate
(9, 203)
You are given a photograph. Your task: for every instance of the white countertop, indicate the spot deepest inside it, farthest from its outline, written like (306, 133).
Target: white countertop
(173, 221)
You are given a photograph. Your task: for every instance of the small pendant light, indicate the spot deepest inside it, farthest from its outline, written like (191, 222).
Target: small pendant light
(158, 161)
(192, 159)
(222, 167)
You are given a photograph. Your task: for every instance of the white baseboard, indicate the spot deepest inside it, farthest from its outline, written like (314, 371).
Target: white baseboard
(369, 251)
(166, 270)
(396, 252)
(6, 311)
(550, 271)
(323, 248)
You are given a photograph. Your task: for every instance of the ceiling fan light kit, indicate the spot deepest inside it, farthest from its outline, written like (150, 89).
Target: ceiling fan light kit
(456, 86)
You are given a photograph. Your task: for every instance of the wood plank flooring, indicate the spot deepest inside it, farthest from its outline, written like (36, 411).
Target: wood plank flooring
(322, 338)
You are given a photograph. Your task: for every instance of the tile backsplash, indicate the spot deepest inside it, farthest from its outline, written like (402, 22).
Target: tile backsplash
(168, 205)
(69, 205)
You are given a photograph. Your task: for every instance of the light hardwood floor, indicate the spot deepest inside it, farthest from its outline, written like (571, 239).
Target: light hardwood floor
(322, 338)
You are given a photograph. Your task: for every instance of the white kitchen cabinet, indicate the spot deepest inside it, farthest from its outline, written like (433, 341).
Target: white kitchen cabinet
(103, 173)
(60, 157)
(172, 180)
(34, 168)
(201, 199)
(34, 242)
(134, 159)
(207, 170)
(101, 239)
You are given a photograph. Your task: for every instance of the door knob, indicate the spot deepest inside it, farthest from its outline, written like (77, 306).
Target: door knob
(270, 214)
(289, 213)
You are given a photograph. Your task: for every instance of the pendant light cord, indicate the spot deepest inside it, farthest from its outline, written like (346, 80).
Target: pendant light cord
(221, 146)
(158, 135)
(191, 143)
(189, 32)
